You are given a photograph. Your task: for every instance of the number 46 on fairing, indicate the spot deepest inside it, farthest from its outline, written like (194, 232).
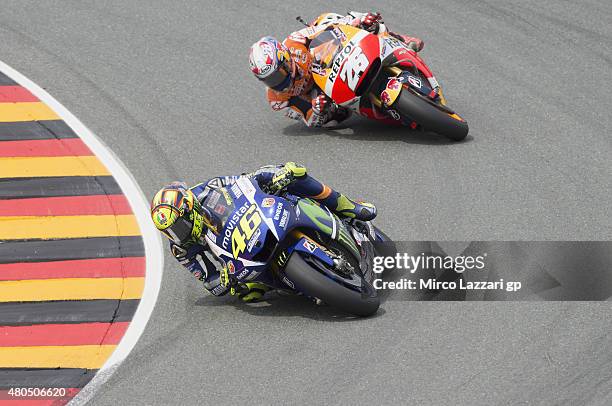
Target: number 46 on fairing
(249, 222)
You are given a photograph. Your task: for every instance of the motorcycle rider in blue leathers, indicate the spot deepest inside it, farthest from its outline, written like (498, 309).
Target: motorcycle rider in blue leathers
(177, 211)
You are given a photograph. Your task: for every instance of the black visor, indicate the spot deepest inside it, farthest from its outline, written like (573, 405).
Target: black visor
(278, 80)
(180, 231)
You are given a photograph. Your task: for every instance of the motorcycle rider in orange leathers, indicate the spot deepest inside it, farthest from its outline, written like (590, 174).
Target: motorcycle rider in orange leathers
(285, 68)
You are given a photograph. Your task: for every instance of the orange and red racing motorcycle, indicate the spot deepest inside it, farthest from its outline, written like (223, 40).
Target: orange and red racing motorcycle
(380, 77)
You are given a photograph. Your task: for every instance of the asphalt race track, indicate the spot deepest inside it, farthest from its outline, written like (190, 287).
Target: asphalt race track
(167, 86)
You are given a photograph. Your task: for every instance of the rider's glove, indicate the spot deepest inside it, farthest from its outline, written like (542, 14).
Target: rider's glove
(321, 104)
(247, 292)
(371, 22)
(280, 181)
(226, 281)
(284, 176)
(416, 44)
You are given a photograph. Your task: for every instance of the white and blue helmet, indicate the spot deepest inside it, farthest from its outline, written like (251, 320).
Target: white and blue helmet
(271, 63)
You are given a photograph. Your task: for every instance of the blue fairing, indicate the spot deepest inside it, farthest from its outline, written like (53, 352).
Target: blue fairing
(251, 225)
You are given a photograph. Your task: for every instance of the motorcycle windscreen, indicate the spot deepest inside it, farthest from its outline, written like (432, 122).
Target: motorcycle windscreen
(324, 48)
(217, 208)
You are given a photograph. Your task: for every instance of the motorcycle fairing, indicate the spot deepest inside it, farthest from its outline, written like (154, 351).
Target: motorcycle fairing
(311, 248)
(249, 235)
(323, 220)
(343, 56)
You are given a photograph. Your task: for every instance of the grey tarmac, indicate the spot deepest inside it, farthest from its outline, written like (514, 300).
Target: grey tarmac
(166, 85)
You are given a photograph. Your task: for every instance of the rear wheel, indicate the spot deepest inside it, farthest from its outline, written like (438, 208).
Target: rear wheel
(313, 282)
(432, 117)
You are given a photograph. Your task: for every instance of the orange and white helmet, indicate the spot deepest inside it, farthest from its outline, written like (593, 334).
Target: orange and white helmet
(271, 62)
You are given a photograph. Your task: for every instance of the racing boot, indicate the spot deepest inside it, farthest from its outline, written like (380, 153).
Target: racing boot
(359, 210)
(414, 43)
(296, 180)
(252, 292)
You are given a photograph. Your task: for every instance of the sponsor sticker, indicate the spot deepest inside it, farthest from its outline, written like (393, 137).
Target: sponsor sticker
(282, 259)
(277, 212)
(231, 268)
(391, 93)
(161, 217)
(335, 69)
(316, 68)
(213, 199)
(310, 246)
(236, 191)
(288, 282)
(279, 105)
(254, 239)
(246, 186)
(394, 42)
(283, 221)
(220, 209)
(339, 34)
(385, 98)
(296, 36)
(265, 69)
(214, 183)
(416, 82)
(394, 84)
(268, 202)
(394, 114)
(227, 196)
(231, 224)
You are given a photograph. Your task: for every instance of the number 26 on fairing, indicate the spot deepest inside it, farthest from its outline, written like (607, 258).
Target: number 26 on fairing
(249, 222)
(354, 66)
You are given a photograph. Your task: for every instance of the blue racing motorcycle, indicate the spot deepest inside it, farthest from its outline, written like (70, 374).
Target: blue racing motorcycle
(293, 244)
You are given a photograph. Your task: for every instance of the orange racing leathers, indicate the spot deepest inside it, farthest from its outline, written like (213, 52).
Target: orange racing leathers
(296, 101)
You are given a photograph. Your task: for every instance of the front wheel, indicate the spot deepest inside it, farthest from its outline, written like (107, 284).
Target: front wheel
(315, 284)
(431, 117)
